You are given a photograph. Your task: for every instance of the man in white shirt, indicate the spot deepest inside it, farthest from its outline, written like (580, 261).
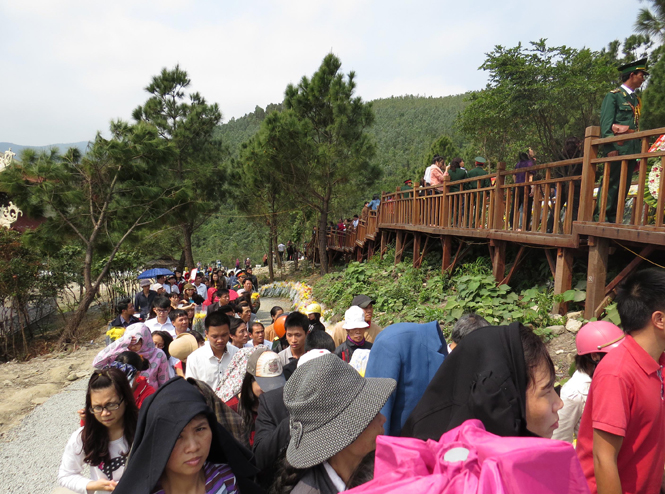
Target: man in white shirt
(180, 321)
(162, 307)
(280, 250)
(201, 287)
(209, 362)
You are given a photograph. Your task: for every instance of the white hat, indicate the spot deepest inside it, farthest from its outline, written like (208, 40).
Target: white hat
(354, 318)
(156, 286)
(311, 355)
(144, 282)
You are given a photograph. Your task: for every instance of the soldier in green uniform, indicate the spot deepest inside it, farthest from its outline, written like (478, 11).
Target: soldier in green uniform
(479, 171)
(620, 114)
(408, 185)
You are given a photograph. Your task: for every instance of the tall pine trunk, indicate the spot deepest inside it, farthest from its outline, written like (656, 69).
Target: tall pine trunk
(271, 268)
(187, 249)
(323, 238)
(70, 334)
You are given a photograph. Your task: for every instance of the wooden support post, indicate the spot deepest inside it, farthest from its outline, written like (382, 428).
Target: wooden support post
(563, 278)
(596, 275)
(513, 268)
(550, 261)
(370, 249)
(499, 260)
(447, 246)
(399, 246)
(384, 234)
(496, 219)
(417, 242)
(585, 212)
(628, 269)
(418, 260)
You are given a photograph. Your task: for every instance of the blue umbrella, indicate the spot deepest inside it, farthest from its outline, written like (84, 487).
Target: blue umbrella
(153, 273)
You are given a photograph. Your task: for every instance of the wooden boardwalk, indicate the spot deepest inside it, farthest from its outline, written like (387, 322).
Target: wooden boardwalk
(562, 218)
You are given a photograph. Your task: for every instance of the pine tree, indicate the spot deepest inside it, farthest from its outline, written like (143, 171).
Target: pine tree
(653, 101)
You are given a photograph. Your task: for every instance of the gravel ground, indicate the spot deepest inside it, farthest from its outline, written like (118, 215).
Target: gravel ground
(30, 454)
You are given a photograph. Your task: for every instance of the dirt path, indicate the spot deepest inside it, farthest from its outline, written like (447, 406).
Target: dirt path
(24, 385)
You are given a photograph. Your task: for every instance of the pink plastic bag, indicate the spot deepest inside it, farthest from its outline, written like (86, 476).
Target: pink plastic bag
(470, 460)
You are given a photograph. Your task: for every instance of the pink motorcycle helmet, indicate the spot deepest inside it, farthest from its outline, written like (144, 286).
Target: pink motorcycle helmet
(598, 337)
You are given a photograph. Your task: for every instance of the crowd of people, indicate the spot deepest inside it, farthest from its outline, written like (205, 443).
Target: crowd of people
(298, 407)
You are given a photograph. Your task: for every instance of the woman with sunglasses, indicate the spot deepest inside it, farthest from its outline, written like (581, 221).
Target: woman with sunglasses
(104, 441)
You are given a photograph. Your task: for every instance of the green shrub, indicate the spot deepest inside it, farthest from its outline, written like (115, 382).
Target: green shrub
(405, 294)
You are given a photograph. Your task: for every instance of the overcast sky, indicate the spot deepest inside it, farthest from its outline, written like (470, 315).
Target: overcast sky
(70, 66)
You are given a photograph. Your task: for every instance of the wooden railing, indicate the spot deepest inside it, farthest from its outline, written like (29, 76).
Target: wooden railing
(593, 166)
(347, 240)
(558, 203)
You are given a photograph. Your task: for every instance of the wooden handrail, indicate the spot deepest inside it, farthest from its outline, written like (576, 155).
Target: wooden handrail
(509, 207)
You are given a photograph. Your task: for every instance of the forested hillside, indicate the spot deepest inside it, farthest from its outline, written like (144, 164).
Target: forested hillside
(404, 129)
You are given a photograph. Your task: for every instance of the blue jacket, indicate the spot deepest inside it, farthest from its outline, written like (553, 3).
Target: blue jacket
(411, 354)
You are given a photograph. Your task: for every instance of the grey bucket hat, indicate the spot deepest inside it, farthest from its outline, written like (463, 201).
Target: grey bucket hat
(330, 405)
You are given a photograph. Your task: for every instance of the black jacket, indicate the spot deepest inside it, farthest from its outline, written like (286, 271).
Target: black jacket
(162, 417)
(346, 349)
(117, 322)
(315, 325)
(484, 378)
(272, 434)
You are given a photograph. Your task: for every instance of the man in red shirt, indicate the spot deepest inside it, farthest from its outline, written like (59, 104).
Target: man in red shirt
(621, 442)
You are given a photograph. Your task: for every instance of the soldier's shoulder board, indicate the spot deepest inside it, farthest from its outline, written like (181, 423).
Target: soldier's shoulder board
(615, 90)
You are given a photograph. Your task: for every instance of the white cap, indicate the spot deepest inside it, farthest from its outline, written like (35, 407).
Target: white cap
(156, 286)
(354, 318)
(311, 355)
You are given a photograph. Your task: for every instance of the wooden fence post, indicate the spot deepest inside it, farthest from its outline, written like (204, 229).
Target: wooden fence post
(585, 212)
(399, 246)
(498, 260)
(446, 245)
(499, 199)
(414, 210)
(445, 211)
(563, 278)
(596, 275)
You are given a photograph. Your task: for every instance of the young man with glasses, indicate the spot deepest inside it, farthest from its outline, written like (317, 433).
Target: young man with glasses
(161, 322)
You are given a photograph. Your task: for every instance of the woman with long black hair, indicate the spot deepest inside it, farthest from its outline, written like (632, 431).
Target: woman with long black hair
(104, 441)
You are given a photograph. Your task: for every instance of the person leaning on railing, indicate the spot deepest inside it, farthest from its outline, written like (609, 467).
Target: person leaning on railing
(619, 115)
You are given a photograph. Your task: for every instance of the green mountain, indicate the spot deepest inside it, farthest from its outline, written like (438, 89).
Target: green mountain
(17, 148)
(404, 129)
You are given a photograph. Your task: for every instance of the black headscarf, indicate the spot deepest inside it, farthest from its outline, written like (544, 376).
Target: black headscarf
(484, 378)
(162, 418)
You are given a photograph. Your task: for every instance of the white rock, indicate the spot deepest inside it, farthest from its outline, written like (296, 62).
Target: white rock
(557, 329)
(72, 377)
(573, 325)
(556, 317)
(575, 315)
(559, 352)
